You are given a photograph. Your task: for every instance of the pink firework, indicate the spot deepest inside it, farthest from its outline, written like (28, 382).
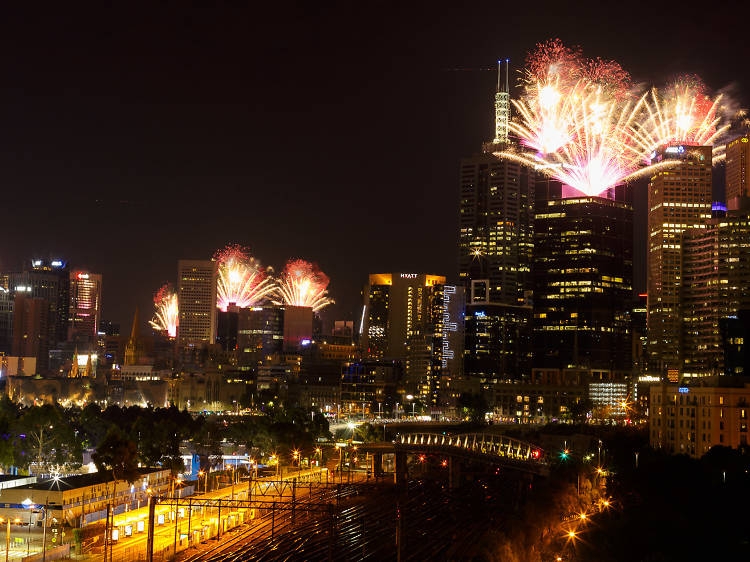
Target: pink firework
(241, 279)
(303, 284)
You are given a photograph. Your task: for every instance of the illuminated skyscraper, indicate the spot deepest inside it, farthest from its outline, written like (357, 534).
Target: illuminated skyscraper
(679, 198)
(417, 319)
(583, 272)
(715, 290)
(496, 229)
(196, 293)
(85, 305)
(738, 173)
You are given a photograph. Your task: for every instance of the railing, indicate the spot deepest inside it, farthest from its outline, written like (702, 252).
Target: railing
(481, 443)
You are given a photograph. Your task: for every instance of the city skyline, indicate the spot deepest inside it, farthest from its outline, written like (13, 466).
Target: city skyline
(130, 148)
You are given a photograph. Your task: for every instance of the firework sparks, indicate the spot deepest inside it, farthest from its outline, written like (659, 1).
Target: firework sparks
(241, 279)
(166, 316)
(683, 113)
(579, 121)
(303, 284)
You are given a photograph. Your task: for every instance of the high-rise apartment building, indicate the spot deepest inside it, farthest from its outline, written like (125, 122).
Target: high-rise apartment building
(583, 272)
(679, 198)
(85, 306)
(737, 168)
(417, 319)
(196, 293)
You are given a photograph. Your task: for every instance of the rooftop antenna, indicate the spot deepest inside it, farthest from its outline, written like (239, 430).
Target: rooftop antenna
(502, 105)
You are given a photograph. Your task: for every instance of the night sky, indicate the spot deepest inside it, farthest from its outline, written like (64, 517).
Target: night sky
(131, 137)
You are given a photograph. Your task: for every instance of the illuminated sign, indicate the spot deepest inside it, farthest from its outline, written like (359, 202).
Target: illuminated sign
(305, 342)
(479, 314)
(409, 275)
(448, 326)
(683, 390)
(83, 276)
(675, 149)
(36, 263)
(57, 263)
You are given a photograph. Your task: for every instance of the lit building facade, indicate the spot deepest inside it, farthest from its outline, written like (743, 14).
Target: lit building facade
(715, 289)
(417, 319)
(691, 419)
(85, 306)
(496, 229)
(679, 198)
(737, 162)
(196, 292)
(583, 271)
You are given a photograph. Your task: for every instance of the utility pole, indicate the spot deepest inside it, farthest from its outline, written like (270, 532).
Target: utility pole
(150, 537)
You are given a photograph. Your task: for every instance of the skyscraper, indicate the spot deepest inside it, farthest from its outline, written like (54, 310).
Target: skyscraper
(196, 293)
(583, 272)
(416, 319)
(50, 280)
(85, 306)
(495, 257)
(715, 289)
(31, 328)
(679, 198)
(737, 178)
(496, 229)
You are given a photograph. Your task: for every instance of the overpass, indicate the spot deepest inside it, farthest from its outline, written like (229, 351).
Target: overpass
(497, 450)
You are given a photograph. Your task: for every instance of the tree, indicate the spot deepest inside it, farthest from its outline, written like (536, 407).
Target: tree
(45, 437)
(474, 406)
(207, 445)
(116, 455)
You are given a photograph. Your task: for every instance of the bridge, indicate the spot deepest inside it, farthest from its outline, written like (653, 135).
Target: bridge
(497, 450)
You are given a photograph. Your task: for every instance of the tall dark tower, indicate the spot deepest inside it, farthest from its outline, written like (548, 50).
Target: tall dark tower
(583, 273)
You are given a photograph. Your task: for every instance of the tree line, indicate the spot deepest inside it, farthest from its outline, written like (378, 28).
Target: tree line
(47, 439)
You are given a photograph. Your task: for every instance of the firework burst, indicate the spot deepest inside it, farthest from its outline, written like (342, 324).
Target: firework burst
(579, 120)
(303, 284)
(683, 113)
(241, 279)
(166, 316)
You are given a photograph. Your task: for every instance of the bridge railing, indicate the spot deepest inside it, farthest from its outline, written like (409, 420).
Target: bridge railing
(484, 443)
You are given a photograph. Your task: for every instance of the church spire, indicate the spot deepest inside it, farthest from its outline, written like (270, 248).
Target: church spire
(133, 347)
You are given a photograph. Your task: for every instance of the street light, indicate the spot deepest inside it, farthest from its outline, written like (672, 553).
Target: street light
(7, 534)
(410, 398)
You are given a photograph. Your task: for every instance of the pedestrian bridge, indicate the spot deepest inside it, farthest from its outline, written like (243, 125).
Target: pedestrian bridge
(498, 450)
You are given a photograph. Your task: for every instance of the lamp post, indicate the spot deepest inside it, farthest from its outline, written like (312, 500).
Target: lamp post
(410, 398)
(7, 534)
